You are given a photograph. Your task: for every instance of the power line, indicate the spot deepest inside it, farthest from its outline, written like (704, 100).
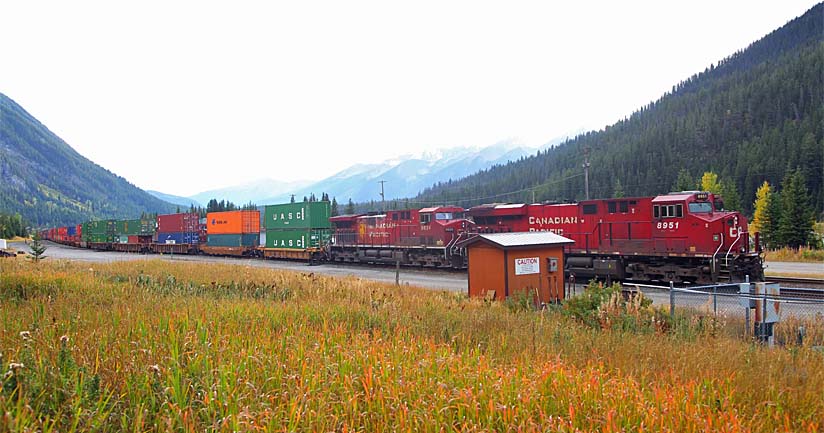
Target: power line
(383, 201)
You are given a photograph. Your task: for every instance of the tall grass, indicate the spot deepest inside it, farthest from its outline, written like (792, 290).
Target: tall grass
(803, 254)
(158, 346)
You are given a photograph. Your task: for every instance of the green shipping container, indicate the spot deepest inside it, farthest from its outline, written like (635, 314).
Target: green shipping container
(238, 240)
(102, 231)
(138, 227)
(101, 238)
(297, 239)
(302, 215)
(99, 227)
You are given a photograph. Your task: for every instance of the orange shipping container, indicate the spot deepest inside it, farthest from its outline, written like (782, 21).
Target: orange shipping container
(233, 222)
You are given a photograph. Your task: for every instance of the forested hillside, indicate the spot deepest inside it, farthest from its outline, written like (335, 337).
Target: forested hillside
(754, 116)
(48, 183)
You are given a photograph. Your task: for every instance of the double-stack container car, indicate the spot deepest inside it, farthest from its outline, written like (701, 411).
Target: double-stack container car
(178, 233)
(99, 235)
(134, 235)
(297, 230)
(232, 233)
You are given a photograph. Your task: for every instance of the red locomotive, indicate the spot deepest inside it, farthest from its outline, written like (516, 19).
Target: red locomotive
(425, 237)
(681, 237)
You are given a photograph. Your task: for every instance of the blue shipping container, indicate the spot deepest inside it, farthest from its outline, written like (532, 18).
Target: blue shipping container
(178, 238)
(71, 231)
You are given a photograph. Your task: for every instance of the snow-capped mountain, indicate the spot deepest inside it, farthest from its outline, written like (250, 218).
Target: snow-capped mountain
(406, 176)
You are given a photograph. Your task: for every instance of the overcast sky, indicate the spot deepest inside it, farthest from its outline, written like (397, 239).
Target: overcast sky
(183, 97)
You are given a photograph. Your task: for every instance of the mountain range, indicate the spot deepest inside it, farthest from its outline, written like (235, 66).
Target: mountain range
(48, 183)
(404, 176)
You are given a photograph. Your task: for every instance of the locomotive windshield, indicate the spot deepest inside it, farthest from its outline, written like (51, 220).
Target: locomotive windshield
(448, 215)
(719, 204)
(700, 207)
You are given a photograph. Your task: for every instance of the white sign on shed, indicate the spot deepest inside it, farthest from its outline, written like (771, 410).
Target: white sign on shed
(528, 265)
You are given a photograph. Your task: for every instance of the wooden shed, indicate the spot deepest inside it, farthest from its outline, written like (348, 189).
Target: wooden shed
(503, 264)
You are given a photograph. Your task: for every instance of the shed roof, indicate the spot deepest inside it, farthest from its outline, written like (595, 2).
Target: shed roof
(520, 239)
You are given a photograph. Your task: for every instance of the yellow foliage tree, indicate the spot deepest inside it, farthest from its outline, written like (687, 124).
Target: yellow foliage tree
(709, 183)
(761, 217)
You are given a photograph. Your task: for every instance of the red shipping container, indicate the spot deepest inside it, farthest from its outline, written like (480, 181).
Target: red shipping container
(178, 222)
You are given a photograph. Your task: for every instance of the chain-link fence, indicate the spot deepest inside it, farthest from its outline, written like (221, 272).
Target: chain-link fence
(793, 316)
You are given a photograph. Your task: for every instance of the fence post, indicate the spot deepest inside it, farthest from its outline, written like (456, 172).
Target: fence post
(715, 300)
(747, 310)
(764, 336)
(672, 301)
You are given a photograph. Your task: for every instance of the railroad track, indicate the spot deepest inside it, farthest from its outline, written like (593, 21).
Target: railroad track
(791, 288)
(805, 283)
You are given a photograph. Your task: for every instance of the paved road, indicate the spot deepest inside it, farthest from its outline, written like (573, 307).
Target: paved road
(788, 269)
(433, 279)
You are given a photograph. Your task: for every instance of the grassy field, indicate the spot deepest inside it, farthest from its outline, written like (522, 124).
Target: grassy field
(804, 255)
(158, 346)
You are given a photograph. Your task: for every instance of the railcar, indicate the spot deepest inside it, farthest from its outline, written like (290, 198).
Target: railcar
(427, 237)
(684, 237)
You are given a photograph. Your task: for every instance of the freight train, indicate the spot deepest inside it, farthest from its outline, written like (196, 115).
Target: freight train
(685, 237)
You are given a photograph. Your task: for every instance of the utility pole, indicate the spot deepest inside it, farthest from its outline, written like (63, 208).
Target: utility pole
(586, 171)
(383, 202)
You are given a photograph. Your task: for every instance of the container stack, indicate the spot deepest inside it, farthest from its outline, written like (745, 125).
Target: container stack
(137, 231)
(99, 232)
(230, 229)
(297, 226)
(62, 234)
(178, 228)
(71, 234)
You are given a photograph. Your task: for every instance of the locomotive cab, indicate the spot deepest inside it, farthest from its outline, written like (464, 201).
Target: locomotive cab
(695, 222)
(439, 225)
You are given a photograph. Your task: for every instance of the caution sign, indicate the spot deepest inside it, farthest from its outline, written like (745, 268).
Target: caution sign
(528, 265)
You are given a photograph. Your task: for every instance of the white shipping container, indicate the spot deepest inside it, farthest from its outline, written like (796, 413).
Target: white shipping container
(3, 244)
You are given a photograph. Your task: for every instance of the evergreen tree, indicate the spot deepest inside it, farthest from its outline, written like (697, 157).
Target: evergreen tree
(37, 248)
(617, 190)
(797, 222)
(732, 200)
(350, 207)
(684, 182)
(769, 226)
(334, 207)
